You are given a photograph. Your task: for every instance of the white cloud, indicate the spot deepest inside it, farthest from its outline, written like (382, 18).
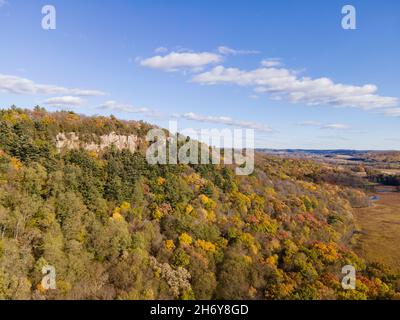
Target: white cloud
(175, 61)
(229, 51)
(332, 126)
(310, 124)
(64, 101)
(284, 83)
(393, 139)
(161, 50)
(3, 3)
(115, 106)
(335, 126)
(227, 121)
(334, 138)
(392, 112)
(17, 85)
(271, 62)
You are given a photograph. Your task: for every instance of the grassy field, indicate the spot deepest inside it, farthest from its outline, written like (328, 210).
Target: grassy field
(379, 226)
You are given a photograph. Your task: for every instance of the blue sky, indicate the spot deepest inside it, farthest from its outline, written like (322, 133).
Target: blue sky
(285, 68)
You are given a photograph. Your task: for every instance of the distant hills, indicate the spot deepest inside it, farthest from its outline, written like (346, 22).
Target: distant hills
(356, 155)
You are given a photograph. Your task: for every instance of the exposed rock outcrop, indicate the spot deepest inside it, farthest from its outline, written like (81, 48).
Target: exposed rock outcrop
(72, 141)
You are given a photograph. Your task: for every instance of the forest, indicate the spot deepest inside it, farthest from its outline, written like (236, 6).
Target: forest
(115, 227)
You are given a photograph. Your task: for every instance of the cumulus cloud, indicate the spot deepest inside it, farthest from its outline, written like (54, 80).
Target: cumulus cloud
(17, 85)
(64, 101)
(175, 61)
(229, 51)
(115, 106)
(227, 121)
(284, 83)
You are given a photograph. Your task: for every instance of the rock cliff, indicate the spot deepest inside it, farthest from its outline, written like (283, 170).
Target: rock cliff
(72, 141)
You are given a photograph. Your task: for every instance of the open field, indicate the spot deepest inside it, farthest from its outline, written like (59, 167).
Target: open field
(379, 226)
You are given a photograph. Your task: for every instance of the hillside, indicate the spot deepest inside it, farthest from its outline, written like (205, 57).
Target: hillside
(115, 227)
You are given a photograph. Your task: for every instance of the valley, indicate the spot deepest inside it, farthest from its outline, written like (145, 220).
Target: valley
(378, 238)
(377, 234)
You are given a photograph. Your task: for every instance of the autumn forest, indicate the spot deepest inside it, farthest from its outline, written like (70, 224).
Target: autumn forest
(115, 227)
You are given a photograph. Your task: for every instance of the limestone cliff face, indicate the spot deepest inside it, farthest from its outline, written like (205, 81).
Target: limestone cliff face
(71, 141)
